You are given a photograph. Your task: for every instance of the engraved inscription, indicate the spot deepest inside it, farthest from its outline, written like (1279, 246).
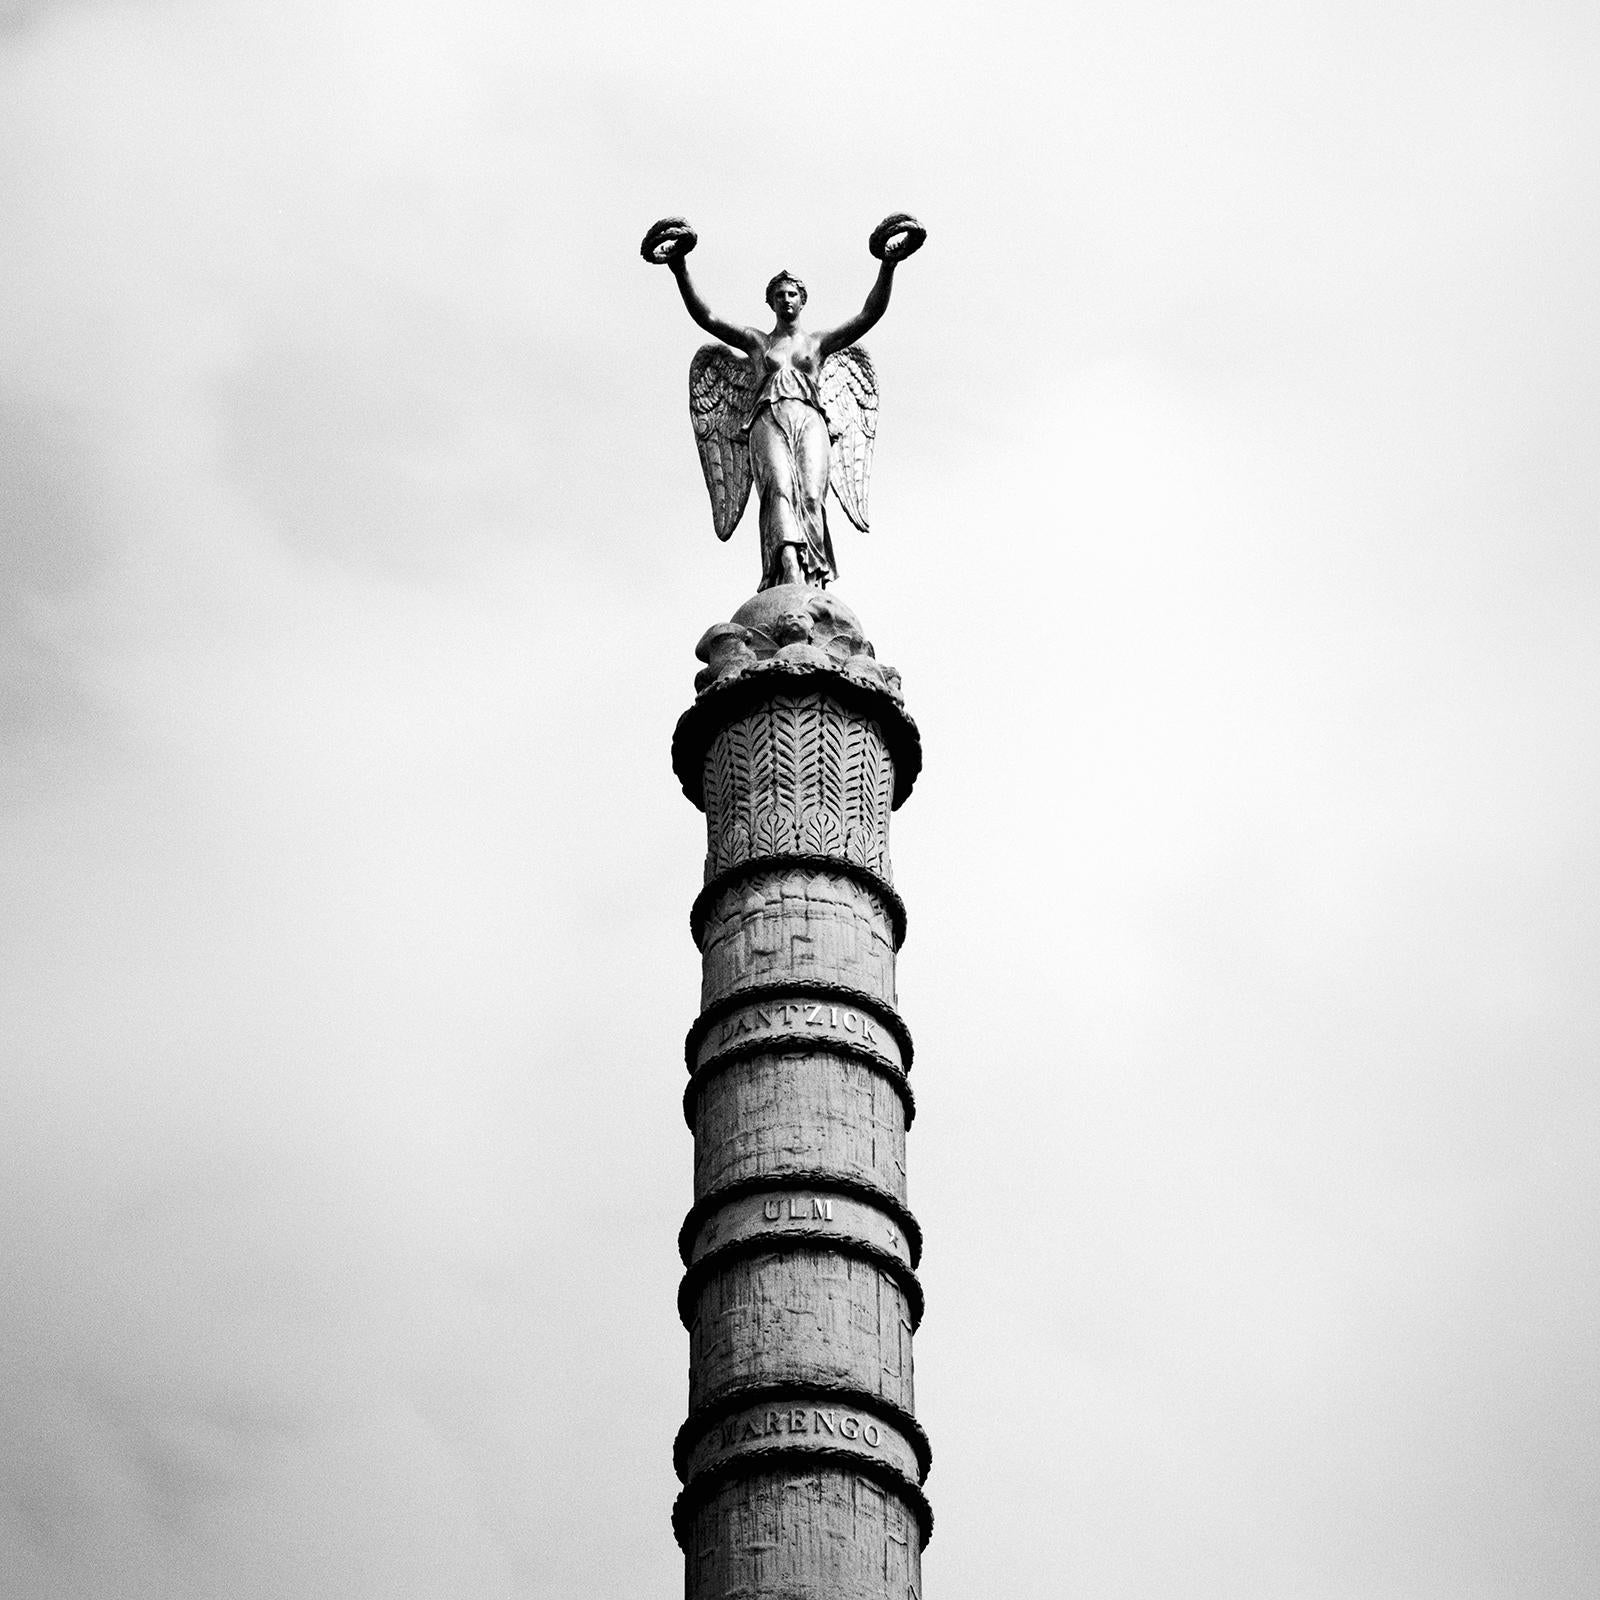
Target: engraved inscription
(823, 1218)
(785, 1014)
(798, 1021)
(798, 1209)
(793, 1421)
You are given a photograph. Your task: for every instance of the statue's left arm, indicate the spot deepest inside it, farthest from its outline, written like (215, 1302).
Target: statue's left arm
(867, 318)
(895, 238)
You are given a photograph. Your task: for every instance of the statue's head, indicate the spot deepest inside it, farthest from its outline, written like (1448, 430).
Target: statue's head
(786, 286)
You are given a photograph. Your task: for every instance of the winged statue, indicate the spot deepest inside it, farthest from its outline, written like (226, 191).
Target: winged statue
(790, 413)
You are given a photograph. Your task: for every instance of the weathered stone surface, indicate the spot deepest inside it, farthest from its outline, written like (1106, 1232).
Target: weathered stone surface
(803, 1318)
(802, 1459)
(811, 927)
(826, 1534)
(772, 1115)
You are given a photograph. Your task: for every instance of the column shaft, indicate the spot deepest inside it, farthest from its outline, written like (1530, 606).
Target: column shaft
(801, 1459)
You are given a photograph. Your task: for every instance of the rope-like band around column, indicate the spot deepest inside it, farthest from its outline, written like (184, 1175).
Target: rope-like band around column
(758, 993)
(796, 1044)
(791, 1459)
(803, 1178)
(783, 1244)
(808, 1390)
(732, 877)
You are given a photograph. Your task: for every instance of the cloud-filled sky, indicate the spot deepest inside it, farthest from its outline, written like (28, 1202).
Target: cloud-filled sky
(1235, 520)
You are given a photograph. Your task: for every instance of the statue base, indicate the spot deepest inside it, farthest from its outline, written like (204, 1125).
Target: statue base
(791, 631)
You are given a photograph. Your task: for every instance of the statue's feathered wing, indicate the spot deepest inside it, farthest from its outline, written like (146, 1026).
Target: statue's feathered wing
(850, 399)
(721, 387)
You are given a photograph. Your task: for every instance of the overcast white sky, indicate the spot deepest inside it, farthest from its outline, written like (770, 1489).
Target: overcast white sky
(1235, 530)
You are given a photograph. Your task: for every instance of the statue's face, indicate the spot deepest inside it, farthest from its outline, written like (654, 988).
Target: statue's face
(786, 299)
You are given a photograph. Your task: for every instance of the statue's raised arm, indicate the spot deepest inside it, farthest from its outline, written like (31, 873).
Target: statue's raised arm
(892, 241)
(792, 412)
(669, 243)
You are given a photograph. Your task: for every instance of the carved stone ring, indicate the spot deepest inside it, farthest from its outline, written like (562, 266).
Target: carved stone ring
(894, 238)
(669, 237)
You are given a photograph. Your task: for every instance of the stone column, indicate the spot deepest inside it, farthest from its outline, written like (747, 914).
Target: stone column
(801, 1459)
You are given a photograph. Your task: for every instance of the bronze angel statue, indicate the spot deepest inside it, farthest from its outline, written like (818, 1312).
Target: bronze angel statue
(793, 413)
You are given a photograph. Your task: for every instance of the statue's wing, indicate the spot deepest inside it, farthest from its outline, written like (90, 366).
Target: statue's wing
(721, 382)
(850, 398)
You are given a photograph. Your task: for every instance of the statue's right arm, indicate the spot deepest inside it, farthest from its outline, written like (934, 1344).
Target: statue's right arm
(739, 338)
